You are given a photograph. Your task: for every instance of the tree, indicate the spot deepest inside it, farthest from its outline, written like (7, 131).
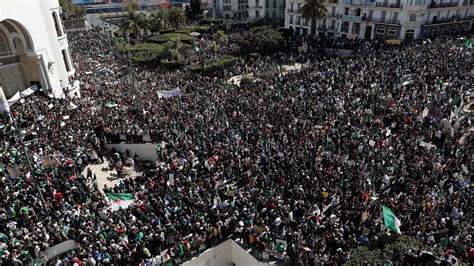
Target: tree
(220, 37)
(176, 17)
(175, 49)
(138, 24)
(313, 10)
(263, 39)
(214, 47)
(72, 11)
(196, 9)
(159, 20)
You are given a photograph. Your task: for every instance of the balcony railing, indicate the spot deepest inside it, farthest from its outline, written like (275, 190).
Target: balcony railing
(450, 20)
(332, 15)
(442, 5)
(293, 10)
(351, 18)
(324, 28)
(389, 5)
(385, 21)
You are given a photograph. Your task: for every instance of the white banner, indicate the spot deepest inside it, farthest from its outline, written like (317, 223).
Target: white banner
(14, 98)
(29, 91)
(169, 94)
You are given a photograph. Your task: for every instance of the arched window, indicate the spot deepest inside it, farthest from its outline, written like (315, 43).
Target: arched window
(56, 24)
(5, 49)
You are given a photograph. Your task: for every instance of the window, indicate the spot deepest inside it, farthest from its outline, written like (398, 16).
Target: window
(395, 17)
(345, 26)
(292, 8)
(257, 15)
(298, 7)
(56, 24)
(346, 11)
(267, 3)
(4, 45)
(418, 2)
(384, 14)
(274, 3)
(291, 19)
(392, 31)
(298, 20)
(305, 22)
(413, 17)
(66, 61)
(267, 13)
(380, 30)
(356, 28)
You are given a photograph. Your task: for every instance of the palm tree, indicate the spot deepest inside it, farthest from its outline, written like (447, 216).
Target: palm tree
(131, 24)
(176, 17)
(159, 20)
(175, 50)
(138, 24)
(314, 10)
(220, 37)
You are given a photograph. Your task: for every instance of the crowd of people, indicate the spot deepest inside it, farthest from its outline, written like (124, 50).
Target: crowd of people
(299, 159)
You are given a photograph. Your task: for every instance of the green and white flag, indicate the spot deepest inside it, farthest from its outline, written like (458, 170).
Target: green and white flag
(119, 201)
(390, 220)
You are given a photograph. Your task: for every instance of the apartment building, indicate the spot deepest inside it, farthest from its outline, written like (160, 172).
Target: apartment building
(385, 19)
(272, 11)
(228, 8)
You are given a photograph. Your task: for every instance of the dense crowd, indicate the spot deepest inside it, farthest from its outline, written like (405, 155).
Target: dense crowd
(299, 159)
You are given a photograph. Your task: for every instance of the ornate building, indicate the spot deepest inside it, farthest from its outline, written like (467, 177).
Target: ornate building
(34, 49)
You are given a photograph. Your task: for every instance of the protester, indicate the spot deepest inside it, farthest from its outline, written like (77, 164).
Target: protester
(296, 163)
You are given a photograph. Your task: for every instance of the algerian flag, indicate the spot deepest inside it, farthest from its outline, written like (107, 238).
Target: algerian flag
(390, 220)
(119, 201)
(467, 43)
(110, 104)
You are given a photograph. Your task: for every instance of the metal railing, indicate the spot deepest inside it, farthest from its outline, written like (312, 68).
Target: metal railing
(386, 21)
(442, 5)
(450, 20)
(389, 5)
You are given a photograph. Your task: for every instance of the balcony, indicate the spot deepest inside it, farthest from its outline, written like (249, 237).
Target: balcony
(293, 10)
(389, 5)
(442, 5)
(333, 15)
(449, 20)
(351, 18)
(383, 21)
(354, 2)
(324, 28)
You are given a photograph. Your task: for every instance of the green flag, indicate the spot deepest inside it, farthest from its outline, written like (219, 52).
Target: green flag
(467, 43)
(390, 220)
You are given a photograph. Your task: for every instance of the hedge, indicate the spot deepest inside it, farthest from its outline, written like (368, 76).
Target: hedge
(209, 21)
(173, 64)
(219, 63)
(147, 52)
(163, 38)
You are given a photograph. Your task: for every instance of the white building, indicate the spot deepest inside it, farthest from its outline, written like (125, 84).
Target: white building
(228, 8)
(34, 49)
(267, 10)
(376, 19)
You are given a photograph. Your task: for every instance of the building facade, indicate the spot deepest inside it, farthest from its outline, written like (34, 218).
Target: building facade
(34, 49)
(271, 11)
(383, 20)
(228, 8)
